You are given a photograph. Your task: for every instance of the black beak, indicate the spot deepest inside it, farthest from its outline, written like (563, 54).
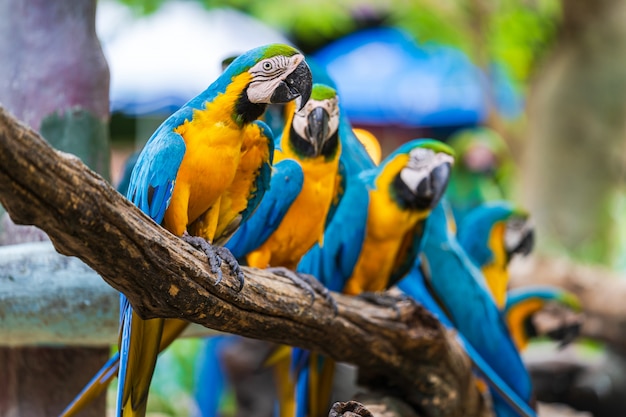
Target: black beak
(566, 334)
(317, 128)
(525, 246)
(297, 84)
(431, 188)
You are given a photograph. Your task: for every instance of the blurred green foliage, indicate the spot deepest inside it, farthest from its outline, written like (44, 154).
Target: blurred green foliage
(513, 32)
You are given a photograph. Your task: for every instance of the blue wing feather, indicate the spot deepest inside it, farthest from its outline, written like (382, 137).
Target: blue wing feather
(263, 181)
(354, 157)
(461, 288)
(125, 325)
(339, 193)
(415, 286)
(154, 175)
(285, 185)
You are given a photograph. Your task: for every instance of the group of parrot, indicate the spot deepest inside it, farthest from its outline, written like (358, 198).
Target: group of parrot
(315, 201)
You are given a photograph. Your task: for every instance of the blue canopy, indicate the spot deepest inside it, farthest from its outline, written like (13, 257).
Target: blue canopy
(385, 77)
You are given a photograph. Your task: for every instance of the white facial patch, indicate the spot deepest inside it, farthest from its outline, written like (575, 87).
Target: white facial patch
(268, 74)
(331, 106)
(421, 162)
(515, 231)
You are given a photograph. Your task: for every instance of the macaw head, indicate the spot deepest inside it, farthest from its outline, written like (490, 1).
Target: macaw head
(270, 74)
(519, 235)
(493, 228)
(537, 311)
(314, 126)
(423, 178)
(276, 73)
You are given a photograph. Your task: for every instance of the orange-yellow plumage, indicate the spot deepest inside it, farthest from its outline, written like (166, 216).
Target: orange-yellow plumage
(303, 224)
(496, 272)
(213, 140)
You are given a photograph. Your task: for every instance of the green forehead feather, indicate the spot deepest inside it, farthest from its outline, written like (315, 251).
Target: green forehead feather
(520, 213)
(571, 301)
(279, 49)
(436, 146)
(322, 92)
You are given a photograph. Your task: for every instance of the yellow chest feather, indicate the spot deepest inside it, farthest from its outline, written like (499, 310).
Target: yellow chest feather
(303, 225)
(213, 149)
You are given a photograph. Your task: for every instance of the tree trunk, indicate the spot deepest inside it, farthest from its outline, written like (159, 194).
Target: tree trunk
(574, 167)
(54, 77)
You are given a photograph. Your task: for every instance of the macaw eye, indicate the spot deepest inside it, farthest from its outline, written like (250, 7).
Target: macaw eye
(267, 66)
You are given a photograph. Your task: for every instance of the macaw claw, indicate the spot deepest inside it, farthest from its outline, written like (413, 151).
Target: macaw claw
(230, 259)
(308, 283)
(216, 255)
(386, 299)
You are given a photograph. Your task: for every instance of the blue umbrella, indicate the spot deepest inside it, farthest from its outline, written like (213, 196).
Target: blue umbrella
(385, 77)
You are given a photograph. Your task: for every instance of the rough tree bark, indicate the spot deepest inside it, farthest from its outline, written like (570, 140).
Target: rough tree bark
(406, 350)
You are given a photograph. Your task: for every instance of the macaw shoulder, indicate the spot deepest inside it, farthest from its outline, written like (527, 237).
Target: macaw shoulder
(215, 114)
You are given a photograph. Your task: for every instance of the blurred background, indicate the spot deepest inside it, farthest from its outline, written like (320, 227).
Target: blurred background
(531, 93)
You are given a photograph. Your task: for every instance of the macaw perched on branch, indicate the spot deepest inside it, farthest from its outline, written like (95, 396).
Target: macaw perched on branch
(374, 242)
(371, 243)
(524, 302)
(491, 235)
(448, 277)
(258, 238)
(415, 286)
(292, 214)
(186, 180)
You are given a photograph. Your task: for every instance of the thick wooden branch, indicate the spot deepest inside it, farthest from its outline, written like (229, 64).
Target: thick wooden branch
(602, 293)
(164, 277)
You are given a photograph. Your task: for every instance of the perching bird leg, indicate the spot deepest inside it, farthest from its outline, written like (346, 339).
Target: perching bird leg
(230, 259)
(216, 256)
(308, 283)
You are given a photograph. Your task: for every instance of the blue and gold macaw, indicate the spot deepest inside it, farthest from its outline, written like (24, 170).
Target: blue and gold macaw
(371, 243)
(455, 289)
(491, 235)
(484, 170)
(291, 217)
(415, 285)
(186, 180)
(260, 238)
(524, 302)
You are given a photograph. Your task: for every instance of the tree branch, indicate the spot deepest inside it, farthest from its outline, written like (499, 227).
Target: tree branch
(164, 277)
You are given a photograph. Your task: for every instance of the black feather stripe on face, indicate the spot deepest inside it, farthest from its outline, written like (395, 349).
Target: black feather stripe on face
(331, 146)
(405, 198)
(247, 111)
(299, 145)
(303, 148)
